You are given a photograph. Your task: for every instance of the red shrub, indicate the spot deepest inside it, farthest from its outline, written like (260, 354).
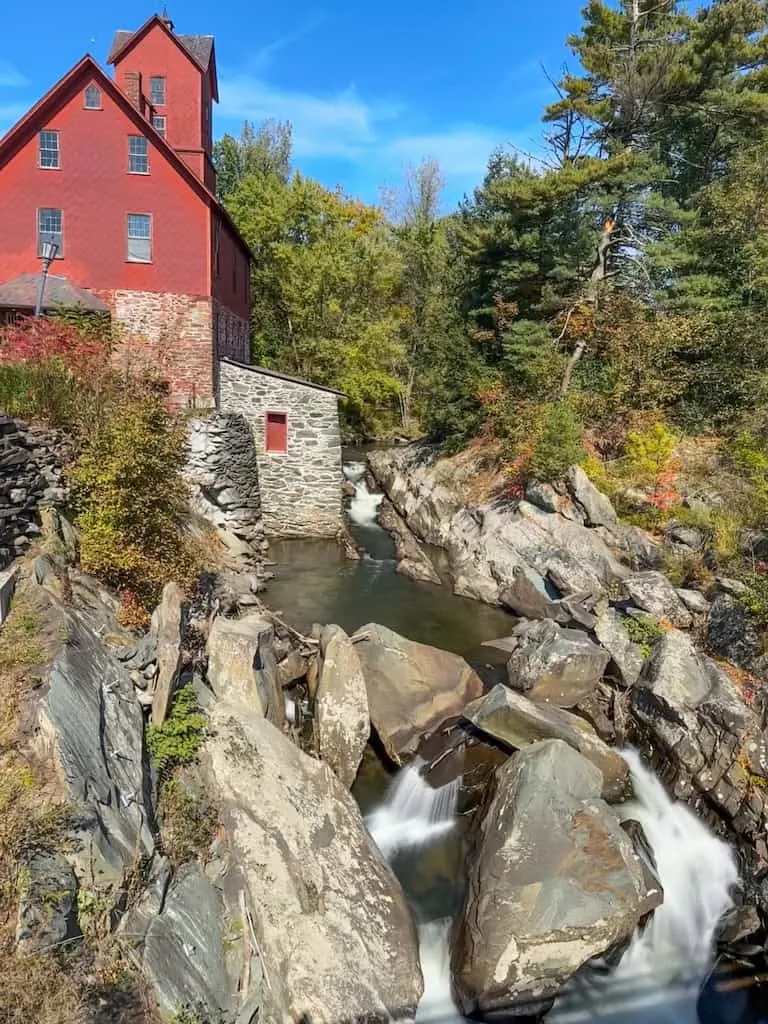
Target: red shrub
(37, 340)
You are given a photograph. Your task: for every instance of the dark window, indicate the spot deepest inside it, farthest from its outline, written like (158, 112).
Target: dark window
(158, 123)
(92, 98)
(50, 229)
(139, 238)
(49, 149)
(276, 435)
(157, 91)
(138, 154)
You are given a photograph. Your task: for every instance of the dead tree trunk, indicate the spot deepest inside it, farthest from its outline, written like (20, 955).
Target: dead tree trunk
(591, 295)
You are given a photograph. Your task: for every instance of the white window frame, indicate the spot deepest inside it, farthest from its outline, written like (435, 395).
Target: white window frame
(132, 155)
(92, 89)
(152, 101)
(138, 238)
(50, 236)
(48, 149)
(160, 131)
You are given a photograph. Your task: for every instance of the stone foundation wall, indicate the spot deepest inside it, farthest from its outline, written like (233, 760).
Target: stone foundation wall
(172, 335)
(300, 488)
(223, 474)
(31, 462)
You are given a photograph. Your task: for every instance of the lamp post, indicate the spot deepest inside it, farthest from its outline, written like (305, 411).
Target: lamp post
(48, 252)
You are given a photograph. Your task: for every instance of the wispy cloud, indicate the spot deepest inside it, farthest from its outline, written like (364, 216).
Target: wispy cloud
(382, 135)
(262, 59)
(10, 114)
(11, 77)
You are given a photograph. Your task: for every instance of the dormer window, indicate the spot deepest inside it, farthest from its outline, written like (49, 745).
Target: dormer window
(92, 98)
(157, 91)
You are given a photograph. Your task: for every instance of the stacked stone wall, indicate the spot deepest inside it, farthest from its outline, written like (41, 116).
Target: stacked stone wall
(31, 477)
(223, 474)
(300, 488)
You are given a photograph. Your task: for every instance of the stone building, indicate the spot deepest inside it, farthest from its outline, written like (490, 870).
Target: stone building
(295, 425)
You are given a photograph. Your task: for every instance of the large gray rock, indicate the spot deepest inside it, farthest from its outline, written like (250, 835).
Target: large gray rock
(554, 665)
(184, 947)
(166, 629)
(526, 596)
(412, 688)
(95, 727)
(48, 904)
(549, 499)
(553, 881)
(626, 656)
(484, 545)
(518, 722)
(693, 712)
(242, 667)
(332, 924)
(341, 705)
(652, 592)
(597, 508)
(412, 560)
(732, 631)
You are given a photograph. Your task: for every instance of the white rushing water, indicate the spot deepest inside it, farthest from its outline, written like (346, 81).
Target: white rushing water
(413, 814)
(659, 977)
(364, 506)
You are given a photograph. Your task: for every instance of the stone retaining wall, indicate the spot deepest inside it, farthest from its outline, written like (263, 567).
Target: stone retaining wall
(31, 462)
(223, 472)
(301, 487)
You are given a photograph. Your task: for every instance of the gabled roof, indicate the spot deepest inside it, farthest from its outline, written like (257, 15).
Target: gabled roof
(87, 69)
(198, 48)
(21, 293)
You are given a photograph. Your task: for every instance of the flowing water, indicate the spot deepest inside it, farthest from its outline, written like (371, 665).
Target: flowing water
(659, 977)
(315, 582)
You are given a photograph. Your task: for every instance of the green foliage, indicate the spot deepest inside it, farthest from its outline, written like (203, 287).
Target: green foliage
(558, 444)
(649, 453)
(755, 599)
(177, 741)
(644, 632)
(130, 497)
(189, 821)
(193, 1014)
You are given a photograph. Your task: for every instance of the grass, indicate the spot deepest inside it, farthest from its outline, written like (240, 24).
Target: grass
(645, 632)
(189, 822)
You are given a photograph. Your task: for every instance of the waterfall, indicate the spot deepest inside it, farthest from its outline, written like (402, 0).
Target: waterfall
(658, 978)
(364, 506)
(413, 813)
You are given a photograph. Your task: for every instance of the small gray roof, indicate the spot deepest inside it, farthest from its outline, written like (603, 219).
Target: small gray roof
(199, 48)
(283, 376)
(21, 293)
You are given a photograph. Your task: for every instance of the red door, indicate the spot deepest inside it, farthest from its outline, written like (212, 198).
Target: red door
(277, 432)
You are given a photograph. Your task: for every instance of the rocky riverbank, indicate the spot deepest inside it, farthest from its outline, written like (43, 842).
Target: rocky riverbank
(211, 842)
(602, 630)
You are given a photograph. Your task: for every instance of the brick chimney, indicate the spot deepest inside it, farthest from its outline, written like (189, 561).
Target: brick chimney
(132, 89)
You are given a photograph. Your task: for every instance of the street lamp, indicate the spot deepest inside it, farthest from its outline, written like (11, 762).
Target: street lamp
(48, 252)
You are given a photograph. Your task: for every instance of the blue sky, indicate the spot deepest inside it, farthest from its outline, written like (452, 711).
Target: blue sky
(369, 88)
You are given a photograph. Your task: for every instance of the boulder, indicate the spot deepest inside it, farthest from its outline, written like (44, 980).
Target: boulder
(732, 631)
(242, 668)
(548, 499)
(412, 688)
(686, 536)
(696, 716)
(526, 596)
(639, 546)
(626, 657)
(292, 668)
(331, 922)
(184, 947)
(553, 880)
(341, 705)
(517, 722)
(166, 629)
(597, 508)
(554, 665)
(95, 727)
(48, 904)
(652, 592)
(693, 600)
(412, 560)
